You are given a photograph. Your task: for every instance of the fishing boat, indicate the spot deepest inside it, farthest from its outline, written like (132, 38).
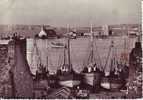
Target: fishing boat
(39, 70)
(57, 45)
(112, 82)
(66, 75)
(91, 72)
(35, 58)
(69, 79)
(111, 79)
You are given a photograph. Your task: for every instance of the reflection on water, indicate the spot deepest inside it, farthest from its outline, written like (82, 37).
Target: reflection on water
(79, 51)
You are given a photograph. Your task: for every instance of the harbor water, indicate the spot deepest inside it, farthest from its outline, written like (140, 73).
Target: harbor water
(79, 51)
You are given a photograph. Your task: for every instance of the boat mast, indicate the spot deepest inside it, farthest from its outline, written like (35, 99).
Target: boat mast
(125, 59)
(65, 54)
(113, 56)
(68, 47)
(36, 55)
(91, 31)
(91, 39)
(109, 61)
(47, 64)
(69, 60)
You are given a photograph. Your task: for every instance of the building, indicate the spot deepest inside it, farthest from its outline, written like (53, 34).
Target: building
(46, 33)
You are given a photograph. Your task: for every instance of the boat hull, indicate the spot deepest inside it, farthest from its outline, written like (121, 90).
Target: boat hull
(69, 80)
(89, 78)
(92, 79)
(111, 84)
(57, 46)
(69, 83)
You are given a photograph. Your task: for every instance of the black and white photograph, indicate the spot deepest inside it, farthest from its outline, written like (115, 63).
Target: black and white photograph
(71, 49)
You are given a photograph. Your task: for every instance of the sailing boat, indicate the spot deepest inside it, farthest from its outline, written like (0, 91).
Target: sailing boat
(91, 72)
(35, 58)
(38, 69)
(124, 60)
(66, 75)
(111, 80)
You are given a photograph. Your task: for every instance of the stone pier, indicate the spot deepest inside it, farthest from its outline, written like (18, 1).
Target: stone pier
(15, 76)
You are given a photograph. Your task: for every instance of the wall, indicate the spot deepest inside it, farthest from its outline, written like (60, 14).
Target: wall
(15, 76)
(5, 66)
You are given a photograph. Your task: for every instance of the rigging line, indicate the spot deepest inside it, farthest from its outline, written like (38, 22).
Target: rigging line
(107, 58)
(61, 58)
(38, 53)
(125, 51)
(96, 59)
(32, 56)
(60, 61)
(65, 54)
(50, 61)
(92, 56)
(33, 49)
(47, 63)
(115, 61)
(86, 60)
(116, 58)
(89, 60)
(69, 59)
(96, 50)
(47, 58)
(37, 56)
(90, 53)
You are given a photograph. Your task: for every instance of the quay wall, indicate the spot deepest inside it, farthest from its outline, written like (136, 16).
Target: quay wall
(6, 63)
(15, 79)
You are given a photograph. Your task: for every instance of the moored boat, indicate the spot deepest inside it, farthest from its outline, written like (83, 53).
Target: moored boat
(91, 72)
(57, 45)
(66, 75)
(91, 77)
(111, 83)
(112, 79)
(69, 79)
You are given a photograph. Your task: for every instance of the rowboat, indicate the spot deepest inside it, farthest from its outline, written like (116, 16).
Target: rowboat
(57, 45)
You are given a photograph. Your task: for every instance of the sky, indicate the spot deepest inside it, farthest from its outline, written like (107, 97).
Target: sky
(72, 12)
